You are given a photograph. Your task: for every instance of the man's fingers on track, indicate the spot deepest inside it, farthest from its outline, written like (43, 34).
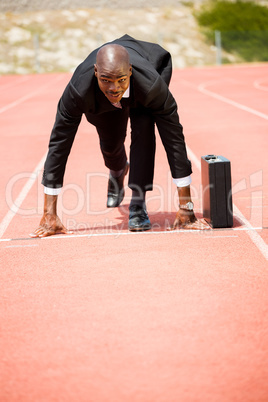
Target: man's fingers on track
(47, 233)
(175, 225)
(197, 225)
(41, 232)
(37, 232)
(64, 231)
(33, 235)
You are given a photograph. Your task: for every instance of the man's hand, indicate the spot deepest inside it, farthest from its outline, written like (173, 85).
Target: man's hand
(50, 224)
(187, 220)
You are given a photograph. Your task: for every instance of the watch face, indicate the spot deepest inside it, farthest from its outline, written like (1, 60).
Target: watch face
(190, 205)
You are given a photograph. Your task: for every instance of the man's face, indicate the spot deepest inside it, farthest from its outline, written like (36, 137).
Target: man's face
(113, 80)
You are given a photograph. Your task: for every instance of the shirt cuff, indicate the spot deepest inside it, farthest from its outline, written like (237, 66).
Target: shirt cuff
(183, 181)
(52, 191)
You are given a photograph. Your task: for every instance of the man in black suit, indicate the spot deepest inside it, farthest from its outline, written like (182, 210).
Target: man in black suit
(124, 79)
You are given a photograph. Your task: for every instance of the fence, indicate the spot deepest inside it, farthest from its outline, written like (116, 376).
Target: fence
(248, 46)
(36, 52)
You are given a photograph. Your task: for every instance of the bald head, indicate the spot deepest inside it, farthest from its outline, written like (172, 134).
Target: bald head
(112, 55)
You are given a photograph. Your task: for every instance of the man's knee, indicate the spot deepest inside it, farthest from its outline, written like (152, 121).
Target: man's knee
(112, 150)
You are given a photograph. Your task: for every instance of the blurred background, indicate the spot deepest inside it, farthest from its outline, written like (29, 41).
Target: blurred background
(42, 36)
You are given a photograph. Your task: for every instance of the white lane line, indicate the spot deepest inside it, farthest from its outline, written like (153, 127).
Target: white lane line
(30, 95)
(115, 234)
(258, 84)
(23, 194)
(21, 197)
(206, 233)
(251, 231)
(255, 237)
(202, 88)
(194, 158)
(17, 82)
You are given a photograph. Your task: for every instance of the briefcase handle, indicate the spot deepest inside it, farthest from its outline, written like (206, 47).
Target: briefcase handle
(209, 157)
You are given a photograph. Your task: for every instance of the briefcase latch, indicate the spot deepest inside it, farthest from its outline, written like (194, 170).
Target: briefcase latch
(210, 157)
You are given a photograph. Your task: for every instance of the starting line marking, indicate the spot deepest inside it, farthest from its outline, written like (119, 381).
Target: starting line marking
(207, 233)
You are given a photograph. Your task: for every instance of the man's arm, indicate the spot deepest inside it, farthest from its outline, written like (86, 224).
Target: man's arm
(68, 118)
(164, 109)
(50, 223)
(184, 218)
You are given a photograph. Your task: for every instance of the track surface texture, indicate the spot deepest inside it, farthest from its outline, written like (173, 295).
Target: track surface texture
(108, 315)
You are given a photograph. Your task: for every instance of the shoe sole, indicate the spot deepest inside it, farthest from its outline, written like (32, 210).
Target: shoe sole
(139, 229)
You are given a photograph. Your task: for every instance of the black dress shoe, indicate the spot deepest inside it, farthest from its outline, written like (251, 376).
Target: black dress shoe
(138, 219)
(116, 190)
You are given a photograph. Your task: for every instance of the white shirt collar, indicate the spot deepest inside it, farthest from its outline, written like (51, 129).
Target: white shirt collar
(126, 93)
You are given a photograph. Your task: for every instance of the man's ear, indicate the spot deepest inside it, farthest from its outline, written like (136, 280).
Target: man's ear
(130, 70)
(95, 69)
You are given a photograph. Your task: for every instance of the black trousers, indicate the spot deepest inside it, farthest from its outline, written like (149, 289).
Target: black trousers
(112, 127)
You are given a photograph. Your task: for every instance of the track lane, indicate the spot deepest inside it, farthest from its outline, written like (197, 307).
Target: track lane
(159, 316)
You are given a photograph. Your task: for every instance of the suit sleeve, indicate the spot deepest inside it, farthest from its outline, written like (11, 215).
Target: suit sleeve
(164, 109)
(68, 118)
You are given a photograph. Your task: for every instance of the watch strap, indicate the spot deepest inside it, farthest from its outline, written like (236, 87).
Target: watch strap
(188, 207)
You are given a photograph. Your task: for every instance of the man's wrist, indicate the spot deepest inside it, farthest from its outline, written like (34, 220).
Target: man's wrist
(50, 204)
(184, 195)
(189, 206)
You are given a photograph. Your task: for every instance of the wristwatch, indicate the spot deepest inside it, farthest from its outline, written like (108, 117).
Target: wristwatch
(189, 206)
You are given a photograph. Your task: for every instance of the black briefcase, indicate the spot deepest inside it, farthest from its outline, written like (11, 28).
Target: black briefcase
(217, 191)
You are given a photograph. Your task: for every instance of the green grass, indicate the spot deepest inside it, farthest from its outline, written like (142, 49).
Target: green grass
(243, 26)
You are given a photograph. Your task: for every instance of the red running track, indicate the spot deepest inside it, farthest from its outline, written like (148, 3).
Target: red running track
(108, 315)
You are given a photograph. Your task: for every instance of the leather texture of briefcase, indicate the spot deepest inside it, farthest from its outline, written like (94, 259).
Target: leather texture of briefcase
(217, 191)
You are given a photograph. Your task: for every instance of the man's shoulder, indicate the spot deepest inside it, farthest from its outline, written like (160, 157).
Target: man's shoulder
(86, 68)
(81, 87)
(148, 55)
(141, 46)
(83, 78)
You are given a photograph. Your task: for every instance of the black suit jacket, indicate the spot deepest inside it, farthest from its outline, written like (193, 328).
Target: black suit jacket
(151, 74)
